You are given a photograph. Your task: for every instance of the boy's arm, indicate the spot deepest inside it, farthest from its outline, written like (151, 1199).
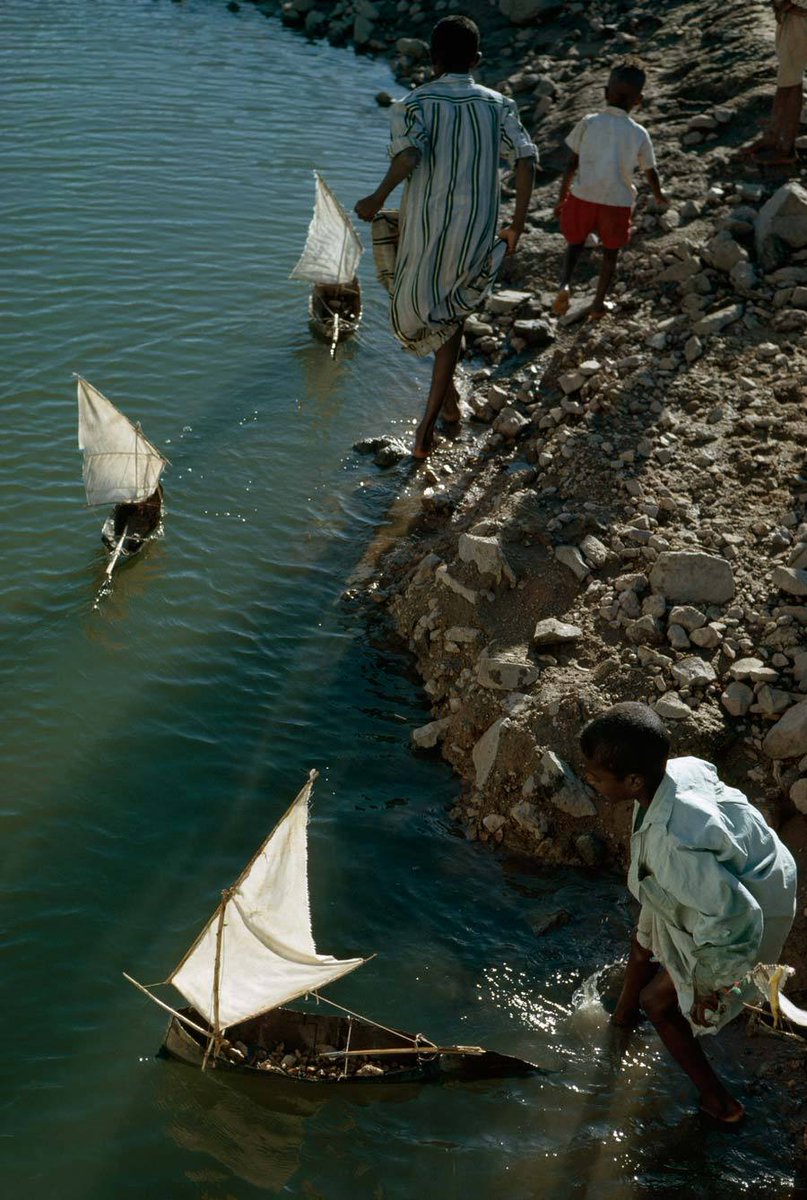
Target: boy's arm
(525, 178)
(655, 186)
(566, 181)
(400, 168)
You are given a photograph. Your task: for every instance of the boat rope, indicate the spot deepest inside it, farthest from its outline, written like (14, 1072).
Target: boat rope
(416, 1039)
(347, 1044)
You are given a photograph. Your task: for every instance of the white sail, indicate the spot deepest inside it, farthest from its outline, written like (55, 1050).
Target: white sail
(266, 954)
(120, 465)
(332, 248)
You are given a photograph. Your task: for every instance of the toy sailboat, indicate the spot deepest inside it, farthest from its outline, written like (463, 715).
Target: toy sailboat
(330, 261)
(121, 467)
(256, 954)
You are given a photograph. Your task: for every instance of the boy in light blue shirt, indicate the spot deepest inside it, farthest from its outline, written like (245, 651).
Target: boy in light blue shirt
(716, 885)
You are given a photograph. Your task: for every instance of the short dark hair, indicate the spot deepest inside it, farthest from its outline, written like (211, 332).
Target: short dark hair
(628, 76)
(627, 739)
(455, 43)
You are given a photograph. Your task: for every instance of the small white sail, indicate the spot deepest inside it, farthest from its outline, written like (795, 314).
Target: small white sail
(120, 465)
(332, 249)
(266, 954)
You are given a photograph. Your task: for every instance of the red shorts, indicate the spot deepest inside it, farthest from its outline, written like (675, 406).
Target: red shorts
(579, 218)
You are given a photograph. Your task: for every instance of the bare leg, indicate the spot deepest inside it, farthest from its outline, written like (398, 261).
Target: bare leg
(445, 361)
(660, 1003)
(609, 259)
(570, 261)
(452, 414)
(638, 973)
(778, 141)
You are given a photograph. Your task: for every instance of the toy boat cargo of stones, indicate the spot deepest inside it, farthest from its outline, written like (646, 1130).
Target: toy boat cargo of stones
(121, 467)
(329, 262)
(256, 954)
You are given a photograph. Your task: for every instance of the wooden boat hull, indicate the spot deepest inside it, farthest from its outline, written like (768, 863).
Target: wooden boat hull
(326, 300)
(142, 520)
(306, 1033)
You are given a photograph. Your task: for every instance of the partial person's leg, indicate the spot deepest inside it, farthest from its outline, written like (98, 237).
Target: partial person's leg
(659, 1001)
(609, 260)
(445, 362)
(570, 261)
(638, 973)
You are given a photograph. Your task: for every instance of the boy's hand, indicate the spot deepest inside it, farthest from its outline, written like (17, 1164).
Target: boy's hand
(709, 1002)
(512, 236)
(367, 208)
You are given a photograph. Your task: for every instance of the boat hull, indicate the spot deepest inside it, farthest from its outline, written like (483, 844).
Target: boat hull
(328, 299)
(306, 1033)
(143, 521)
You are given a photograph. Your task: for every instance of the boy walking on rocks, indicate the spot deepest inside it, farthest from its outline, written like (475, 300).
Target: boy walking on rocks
(778, 145)
(597, 192)
(440, 255)
(716, 886)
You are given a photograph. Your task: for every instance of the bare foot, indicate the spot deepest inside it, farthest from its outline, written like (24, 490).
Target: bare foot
(561, 302)
(451, 411)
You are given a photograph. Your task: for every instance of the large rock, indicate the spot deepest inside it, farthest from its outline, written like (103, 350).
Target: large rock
(505, 674)
(485, 751)
(567, 792)
(487, 556)
(790, 580)
(788, 738)
(522, 12)
(691, 576)
(723, 253)
(551, 631)
(782, 220)
(426, 737)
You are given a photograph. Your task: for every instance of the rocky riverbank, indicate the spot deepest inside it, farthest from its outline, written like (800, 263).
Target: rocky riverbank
(625, 515)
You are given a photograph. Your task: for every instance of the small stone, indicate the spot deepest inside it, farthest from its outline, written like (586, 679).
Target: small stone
(707, 638)
(798, 794)
(737, 698)
(572, 381)
(715, 322)
(688, 617)
(506, 300)
(486, 749)
(510, 423)
(690, 575)
(505, 674)
(677, 637)
(671, 707)
(551, 630)
(427, 736)
(788, 738)
(693, 348)
(545, 924)
(692, 672)
(790, 580)
(591, 848)
(743, 668)
(493, 822)
(772, 700)
(487, 556)
(644, 629)
(571, 557)
(594, 551)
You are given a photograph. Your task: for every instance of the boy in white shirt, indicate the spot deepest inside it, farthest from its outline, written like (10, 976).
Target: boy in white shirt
(597, 192)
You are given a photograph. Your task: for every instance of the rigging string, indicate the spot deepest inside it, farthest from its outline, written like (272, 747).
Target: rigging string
(416, 1039)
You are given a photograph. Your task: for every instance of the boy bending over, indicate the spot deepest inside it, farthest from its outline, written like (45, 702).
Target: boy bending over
(716, 886)
(440, 256)
(597, 191)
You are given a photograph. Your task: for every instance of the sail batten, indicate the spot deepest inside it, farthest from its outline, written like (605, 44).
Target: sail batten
(333, 247)
(260, 935)
(120, 464)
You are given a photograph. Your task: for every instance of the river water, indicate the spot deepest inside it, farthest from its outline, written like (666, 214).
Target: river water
(156, 191)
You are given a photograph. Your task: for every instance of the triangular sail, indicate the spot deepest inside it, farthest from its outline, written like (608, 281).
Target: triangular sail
(264, 945)
(120, 465)
(332, 249)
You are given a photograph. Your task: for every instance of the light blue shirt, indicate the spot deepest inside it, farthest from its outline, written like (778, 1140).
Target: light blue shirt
(716, 885)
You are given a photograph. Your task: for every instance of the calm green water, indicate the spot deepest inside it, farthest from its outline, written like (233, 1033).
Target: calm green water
(156, 190)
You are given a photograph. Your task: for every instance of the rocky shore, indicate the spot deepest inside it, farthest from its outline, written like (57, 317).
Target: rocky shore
(625, 515)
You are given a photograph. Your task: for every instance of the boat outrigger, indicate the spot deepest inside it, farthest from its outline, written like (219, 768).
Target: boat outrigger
(330, 262)
(121, 467)
(256, 954)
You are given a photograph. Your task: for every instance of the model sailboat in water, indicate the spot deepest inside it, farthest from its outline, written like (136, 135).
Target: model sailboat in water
(256, 954)
(330, 261)
(121, 467)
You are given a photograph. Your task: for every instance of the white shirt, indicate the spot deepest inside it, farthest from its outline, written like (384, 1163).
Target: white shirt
(717, 887)
(610, 146)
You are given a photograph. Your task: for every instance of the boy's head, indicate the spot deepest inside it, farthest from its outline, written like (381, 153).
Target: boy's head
(625, 752)
(455, 45)
(625, 85)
